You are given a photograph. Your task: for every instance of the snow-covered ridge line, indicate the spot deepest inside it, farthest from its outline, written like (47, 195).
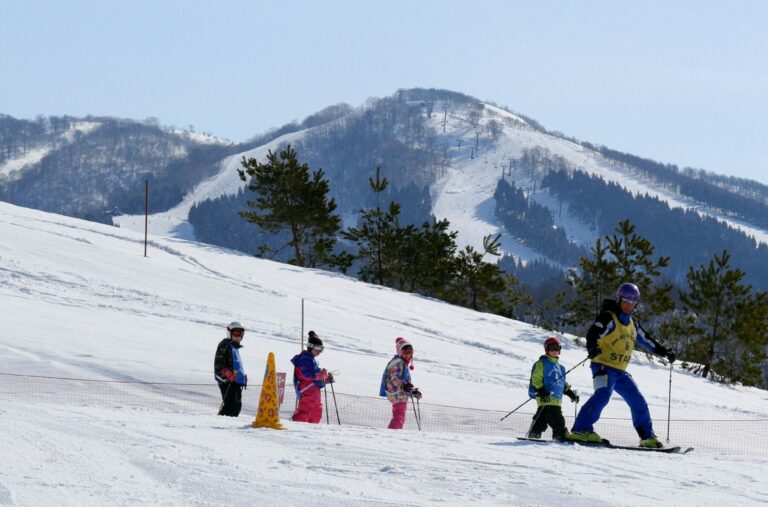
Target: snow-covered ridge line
(465, 194)
(201, 138)
(35, 155)
(175, 222)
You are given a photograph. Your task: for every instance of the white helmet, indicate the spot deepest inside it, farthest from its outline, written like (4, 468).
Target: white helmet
(234, 326)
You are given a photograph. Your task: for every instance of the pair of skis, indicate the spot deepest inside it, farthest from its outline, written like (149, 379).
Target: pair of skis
(607, 444)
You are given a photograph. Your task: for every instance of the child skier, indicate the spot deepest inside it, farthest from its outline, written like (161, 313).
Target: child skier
(308, 379)
(396, 383)
(548, 386)
(228, 370)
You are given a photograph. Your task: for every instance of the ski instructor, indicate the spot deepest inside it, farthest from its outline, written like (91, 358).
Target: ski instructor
(610, 342)
(228, 370)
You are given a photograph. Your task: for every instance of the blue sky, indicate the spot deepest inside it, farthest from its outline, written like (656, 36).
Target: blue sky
(683, 82)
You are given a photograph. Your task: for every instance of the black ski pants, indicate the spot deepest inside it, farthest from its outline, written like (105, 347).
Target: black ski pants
(231, 399)
(552, 416)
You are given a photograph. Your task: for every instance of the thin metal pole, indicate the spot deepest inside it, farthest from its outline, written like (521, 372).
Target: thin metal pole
(516, 409)
(146, 214)
(669, 400)
(327, 417)
(415, 415)
(418, 409)
(333, 392)
(539, 412)
(224, 399)
(302, 348)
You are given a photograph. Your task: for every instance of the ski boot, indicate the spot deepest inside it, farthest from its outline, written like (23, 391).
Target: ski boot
(651, 442)
(589, 437)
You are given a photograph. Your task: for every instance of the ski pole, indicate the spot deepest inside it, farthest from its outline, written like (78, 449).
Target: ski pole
(516, 409)
(418, 409)
(558, 378)
(539, 412)
(226, 393)
(327, 417)
(418, 423)
(336, 406)
(669, 400)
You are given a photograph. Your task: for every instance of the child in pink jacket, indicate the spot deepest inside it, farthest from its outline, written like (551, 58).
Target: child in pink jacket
(396, 383)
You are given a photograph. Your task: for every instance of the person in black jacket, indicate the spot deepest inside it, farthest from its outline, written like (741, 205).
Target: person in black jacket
(228, 370)
(610, 342)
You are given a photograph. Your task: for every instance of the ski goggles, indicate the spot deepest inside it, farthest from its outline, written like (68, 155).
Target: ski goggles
(237, 332)
(318, 348)
(553, 347)
(632, 302)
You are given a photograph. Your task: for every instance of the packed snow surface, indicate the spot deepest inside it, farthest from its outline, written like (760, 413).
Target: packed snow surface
(80, 300)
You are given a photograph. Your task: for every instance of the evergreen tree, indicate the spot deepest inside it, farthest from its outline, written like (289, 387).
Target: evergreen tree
(622, 257)
(426, 258)
(724, 326)
(515, 297)
(289, 198)
(596, 279)
(378, 236)
(407, 258)
(634, 264)
(478, 284)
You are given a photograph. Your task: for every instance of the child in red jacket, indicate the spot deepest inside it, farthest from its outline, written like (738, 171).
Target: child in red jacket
(308, 379)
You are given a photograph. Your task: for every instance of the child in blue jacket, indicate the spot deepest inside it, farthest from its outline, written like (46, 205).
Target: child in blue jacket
(548, 386)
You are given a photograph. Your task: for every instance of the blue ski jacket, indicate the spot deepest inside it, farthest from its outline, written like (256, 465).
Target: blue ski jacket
(548, 373)
(309, 369)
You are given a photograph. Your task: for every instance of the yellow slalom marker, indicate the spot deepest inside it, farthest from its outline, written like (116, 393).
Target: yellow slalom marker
(268, 415)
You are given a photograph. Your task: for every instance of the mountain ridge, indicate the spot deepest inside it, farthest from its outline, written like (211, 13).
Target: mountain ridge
(456, 146)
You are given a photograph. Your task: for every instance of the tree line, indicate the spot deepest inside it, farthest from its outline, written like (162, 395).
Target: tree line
(423, 258)
(718, 324)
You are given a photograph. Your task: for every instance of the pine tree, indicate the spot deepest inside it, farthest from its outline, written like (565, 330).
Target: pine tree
(289, 198)
(515, 296)
(622, 257)
(724, 326)
(426, 258)
(407, 258)
(378, 237)
(596, 280)
(478, 284)
(634, 264)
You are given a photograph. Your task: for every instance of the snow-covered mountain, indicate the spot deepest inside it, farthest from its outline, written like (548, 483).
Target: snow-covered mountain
(481, 145)
(175, 222)
(95, 166)
(80, 300)
(442, 152)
